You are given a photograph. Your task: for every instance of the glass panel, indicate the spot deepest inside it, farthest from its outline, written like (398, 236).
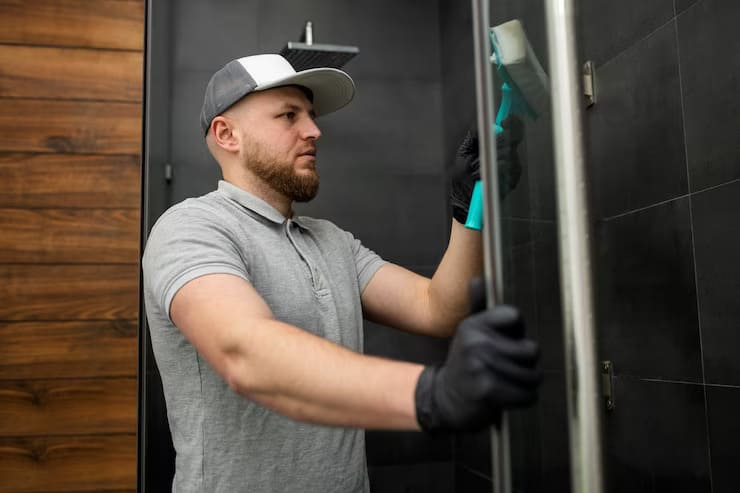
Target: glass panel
(538, 435)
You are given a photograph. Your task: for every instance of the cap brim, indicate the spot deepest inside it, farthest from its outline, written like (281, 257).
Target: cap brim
(332, 88)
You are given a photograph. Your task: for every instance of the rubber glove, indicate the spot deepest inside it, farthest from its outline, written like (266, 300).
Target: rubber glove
(491, 366)
(467, 166)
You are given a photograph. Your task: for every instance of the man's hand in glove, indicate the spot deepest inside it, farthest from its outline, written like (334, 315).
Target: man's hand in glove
(490, 366)
(467, 166)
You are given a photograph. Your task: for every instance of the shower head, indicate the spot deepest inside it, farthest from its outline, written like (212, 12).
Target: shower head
(306, 54)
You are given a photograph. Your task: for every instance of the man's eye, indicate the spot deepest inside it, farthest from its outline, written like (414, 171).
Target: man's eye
(290, 115)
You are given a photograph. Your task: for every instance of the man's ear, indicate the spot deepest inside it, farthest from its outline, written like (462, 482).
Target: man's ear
(224, 134)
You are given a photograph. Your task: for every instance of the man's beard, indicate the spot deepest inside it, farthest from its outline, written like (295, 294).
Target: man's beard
(280, 175)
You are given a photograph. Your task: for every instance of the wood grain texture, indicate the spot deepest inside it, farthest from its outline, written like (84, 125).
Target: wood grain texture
(69, 292)
(70, 126)
(72, 349)
(71, 87)
(68, 463)
(70, 73)
(115, 24)
(67, 407)
(85, 181)
(69, 236)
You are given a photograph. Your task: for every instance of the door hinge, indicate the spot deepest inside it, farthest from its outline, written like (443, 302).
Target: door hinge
(168, 172)
(589, 85)
(607, 384)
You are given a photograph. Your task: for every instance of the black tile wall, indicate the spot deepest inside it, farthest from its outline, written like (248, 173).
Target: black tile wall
(707, 34)
(547, 285)
(397, 40)
(682, 5)
(436, 477)
(402, 217)
(724, 436)
(457, 74)
(195, 172)
(525, 437)
(382, 130)
(647, 295)
(637, 154)
(517, 202)
(519, 287)
(554, 475)
(717, 242)
(473, 451)
(470, 481)
(655, 439)
(540, 166)
(390, 448)
(608, 28)
(205, 37)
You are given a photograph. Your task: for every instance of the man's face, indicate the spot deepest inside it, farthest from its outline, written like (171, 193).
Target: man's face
(279, 135)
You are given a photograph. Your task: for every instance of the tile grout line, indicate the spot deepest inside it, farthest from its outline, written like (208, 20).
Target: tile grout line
(644, 208)
(693, 247)
(713, 187)
(640, 40)
(673, 199)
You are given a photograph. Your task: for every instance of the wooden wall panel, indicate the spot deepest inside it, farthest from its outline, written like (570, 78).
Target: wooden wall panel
(117, 24)
(67, 407)
(70, 126)
(77, 348)
(83, 181)
(68, 463)
(69, 292)
(70, 73)
(69, 235)
(71, 85)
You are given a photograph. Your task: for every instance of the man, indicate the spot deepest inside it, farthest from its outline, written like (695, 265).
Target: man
(256, 314)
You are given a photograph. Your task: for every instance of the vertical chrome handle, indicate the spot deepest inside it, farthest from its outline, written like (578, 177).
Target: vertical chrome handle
(501, 467)
(582, 369)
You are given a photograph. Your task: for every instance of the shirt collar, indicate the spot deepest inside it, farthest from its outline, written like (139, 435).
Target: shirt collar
(251, 202)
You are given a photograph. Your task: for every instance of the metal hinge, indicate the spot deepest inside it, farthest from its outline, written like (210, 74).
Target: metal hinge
(607, 384)
(589, 87)
(168, 172)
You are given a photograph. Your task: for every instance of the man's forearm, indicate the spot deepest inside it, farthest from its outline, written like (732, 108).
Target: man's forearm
(308, 378)
(449, 288)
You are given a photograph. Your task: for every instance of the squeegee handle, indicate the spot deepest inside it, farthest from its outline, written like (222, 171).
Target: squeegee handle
(475, 211)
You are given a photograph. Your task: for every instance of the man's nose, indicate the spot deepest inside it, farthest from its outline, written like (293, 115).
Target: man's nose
(311, 130)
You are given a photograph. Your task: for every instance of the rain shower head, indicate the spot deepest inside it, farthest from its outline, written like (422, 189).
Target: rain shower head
(306, 54)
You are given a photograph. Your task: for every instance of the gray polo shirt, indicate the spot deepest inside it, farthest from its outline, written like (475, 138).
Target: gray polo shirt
(311, 274)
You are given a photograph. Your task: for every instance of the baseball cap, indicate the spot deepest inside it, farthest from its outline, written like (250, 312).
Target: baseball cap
(332, 88)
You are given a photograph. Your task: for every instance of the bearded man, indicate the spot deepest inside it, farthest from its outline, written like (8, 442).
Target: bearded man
(256, 314)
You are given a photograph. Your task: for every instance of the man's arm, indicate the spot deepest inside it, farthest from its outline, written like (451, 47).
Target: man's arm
(490, 365)
(402, 299)
(287, 369)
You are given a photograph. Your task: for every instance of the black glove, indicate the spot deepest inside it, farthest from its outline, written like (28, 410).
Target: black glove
(467, 166)
(490, 366)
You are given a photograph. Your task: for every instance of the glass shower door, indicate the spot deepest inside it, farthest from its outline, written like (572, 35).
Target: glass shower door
(539, 247)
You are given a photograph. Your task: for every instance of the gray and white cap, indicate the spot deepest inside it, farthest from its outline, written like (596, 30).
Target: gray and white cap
(332, 88)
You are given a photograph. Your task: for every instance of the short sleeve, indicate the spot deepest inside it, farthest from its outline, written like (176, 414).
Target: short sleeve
(367, 262)
(183, 245)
